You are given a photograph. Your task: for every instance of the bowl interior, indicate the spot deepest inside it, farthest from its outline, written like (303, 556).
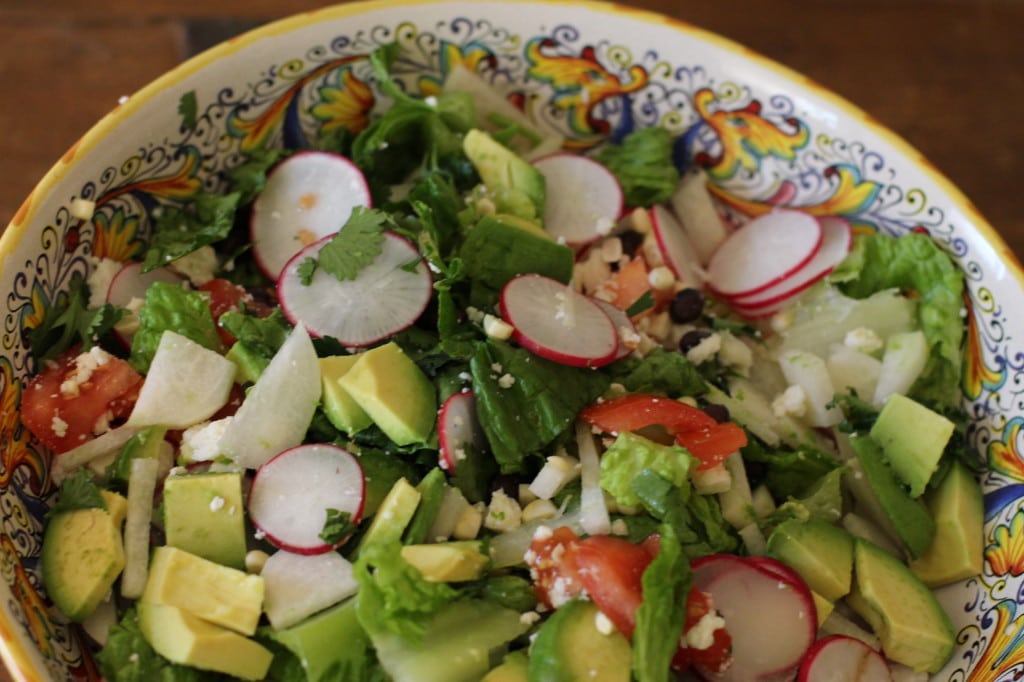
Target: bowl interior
(765, 136)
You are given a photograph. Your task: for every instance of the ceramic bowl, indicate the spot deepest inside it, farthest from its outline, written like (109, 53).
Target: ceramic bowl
(766, 136)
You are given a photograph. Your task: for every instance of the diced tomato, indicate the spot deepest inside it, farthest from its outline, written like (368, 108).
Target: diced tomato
(629, 283)
(635, 411)
(225, 296)
(551, 566)
(713, 444)
(64, 419)
(610, 570)
(714, 658)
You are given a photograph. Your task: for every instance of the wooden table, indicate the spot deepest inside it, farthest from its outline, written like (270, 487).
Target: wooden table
(947, 75)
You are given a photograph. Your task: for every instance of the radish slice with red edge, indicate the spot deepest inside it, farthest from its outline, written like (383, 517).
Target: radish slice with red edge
(583, 198)
(557, 323)
(772, 622)
(384, 298)
(762, 253)
(836, 242)
(292, 492)
(839, 658)
(777, 568)
(625, 330)
(458, 431)
(131, 282)
(309, 195)
(675, 247)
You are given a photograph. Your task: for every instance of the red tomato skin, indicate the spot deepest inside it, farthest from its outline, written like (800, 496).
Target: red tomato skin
(635, 411)
(64, 420)
(716, 657)
(610, 570)
(713, 444)
(224, 296)
(550, 560)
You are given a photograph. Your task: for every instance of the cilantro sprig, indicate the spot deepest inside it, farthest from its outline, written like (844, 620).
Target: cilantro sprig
(337, 527)
(352, 249)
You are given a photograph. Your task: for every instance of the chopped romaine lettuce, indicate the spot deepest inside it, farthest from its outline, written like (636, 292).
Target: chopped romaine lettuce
(661, 372)
(662, 613)
(171, 307)
(643, 164)
(696, 519)
(789, 473)
(630, 454)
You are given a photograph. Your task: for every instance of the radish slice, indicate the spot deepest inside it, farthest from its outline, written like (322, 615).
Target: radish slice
(764, 252)
(626, 331)
(458, 431)
(384, 298)
(836, 242)
(557, 323)
(843, 659)
(131, 282)
(297, 586)
(308, 196)
(584, 199)
(777, 569)
(676, 250)
(772, 622)
(693, 206)
(292, 492)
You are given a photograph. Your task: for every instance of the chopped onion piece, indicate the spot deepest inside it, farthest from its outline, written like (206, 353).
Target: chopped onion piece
(141, 485)
(557, 472)
(508, 549)
(594, 513)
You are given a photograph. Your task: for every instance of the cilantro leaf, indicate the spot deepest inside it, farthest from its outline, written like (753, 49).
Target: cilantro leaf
(645, 302)
(337, 527)
(249, 178)
(264, 335)
(181, 230)
(355, 246)
(188, 109)
(72, 322)
(78, 491)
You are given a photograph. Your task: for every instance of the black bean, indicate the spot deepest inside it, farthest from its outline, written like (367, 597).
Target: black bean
(631, 241)
(687, 305)
(720, 413)
(692, 338)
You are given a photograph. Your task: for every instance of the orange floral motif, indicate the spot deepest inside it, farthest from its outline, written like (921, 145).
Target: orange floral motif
(116, 236)
(346, 105)
(1004, 457)
(581, 84)
(1002, 654)
(977, 375)
(852, 195)
(32, 604)
(1005, 555)
(452, 55)
(14, 437)
(179, 185)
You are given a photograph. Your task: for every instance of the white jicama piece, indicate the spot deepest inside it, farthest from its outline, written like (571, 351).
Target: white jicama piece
(762, 501)
(309, 195)
(186, 384)
(678, 254)
(711, 481)
(99, 447)
(753, 539)
(737, 501)
(276, 413)
(692, 203)
(904, 360)
(558, 470)
(141, 486)
(852, 370)
(584, 198)
(97, 625)
(509, 549)
(297, 586)
(594, 513)
(810, 373)
(453, 504)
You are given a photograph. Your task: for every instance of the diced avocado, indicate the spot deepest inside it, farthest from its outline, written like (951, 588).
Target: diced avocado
(146, 444)
(514, 668)
(183, 638)
(821, 553)
(909, 517)
(339, 406)
(957, 549)
(82, 555)
(570, 648)
(460, 645)
(224, 596)
(497, 249)
(315, 641)
(508, 177)
(249, 363)
(906, 617)
(394, 392)
(448, 562)
(523, 224)
(823, 607)
(431, 490)
(393, 515)
(204, 514)
(912, 438)
(380, 472)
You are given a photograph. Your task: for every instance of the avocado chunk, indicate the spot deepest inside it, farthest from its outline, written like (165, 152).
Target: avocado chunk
(393, 515)
(517, 187)
(902, 611)
(461, 644)
(82, 555)
(821, 553)
(912, 437)
(315, 641)
(823, 607)
(514, 668)
(909, 516)
(957, 550)
(181, 637)
(218, 594)
(341, 409)
(394, 392)
(204, 515)
(570, 648)
(448, 562)
(498, 248)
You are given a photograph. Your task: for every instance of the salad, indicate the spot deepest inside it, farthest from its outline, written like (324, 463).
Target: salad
(438, 401)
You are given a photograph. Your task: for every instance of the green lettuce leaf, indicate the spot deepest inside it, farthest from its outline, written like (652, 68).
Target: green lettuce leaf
(661, 371)
(171, 307)
(643, 165)
(262, 335)
(71, 321)
(180, 230)
(916, 263)
(823, 500)
(536, 408)
(662, 613)
(78, 491)
(630, 454)
(789, 473)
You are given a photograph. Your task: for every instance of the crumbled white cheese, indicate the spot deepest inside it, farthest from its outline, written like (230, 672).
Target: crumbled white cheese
(542, 533)
(791, 402)
(506, 380)
(85, 364)
(782, 320)
(864, 340)
(201, 443)
(497, 328)
(59, 427)
(475, 315)
(735, 354)
(702, 634)
(661, 278)
(706, 349)
(539, 509)
(200, 266)
(529, 618)
(217, 503)
(503, 514)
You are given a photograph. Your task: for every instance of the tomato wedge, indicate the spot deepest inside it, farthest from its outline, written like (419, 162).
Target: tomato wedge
(635, 411)
(715, 657)
(554, 574)
(610, 570)
(713, 444)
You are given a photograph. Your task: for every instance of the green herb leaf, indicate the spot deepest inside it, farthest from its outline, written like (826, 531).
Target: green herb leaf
(171, 307)
(337, 527)
(181, 230)
(249, 178)
(660, 617)
(188, 109)
(661, 371)
(790, 473)
(72, 322)
(264, 335)
(357, 245)
(78, 491)
(645, 302)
